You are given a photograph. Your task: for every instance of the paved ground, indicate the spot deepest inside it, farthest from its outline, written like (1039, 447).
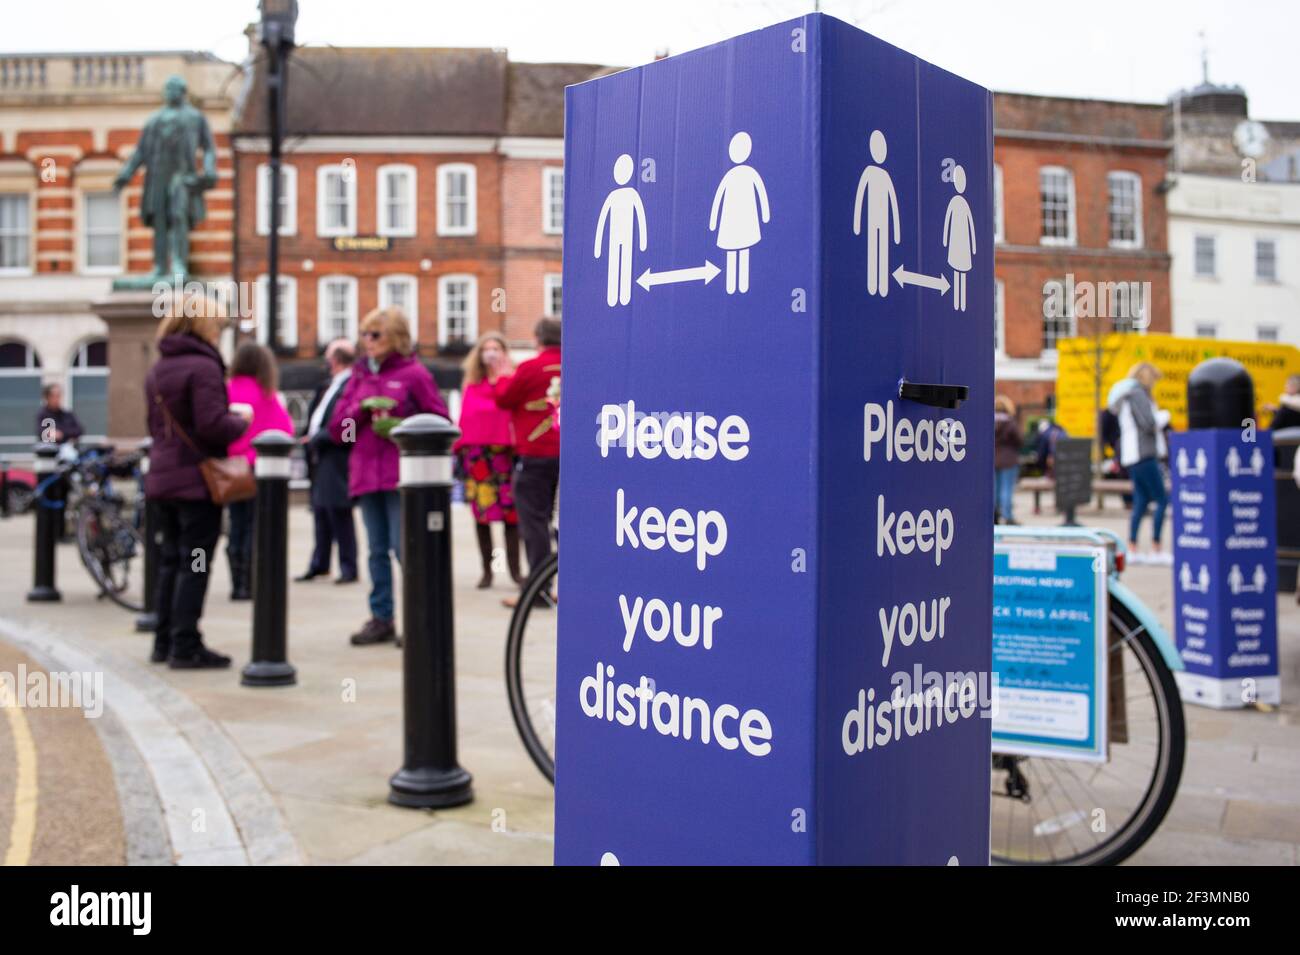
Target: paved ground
(191, 767)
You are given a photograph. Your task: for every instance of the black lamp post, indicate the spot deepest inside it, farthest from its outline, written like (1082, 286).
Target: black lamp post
(278, 18)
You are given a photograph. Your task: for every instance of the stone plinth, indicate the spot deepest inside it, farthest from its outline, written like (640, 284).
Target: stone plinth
(131, 329)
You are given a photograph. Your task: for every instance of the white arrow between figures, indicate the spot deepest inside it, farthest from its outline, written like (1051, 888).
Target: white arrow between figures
(706, 272)
(904, 277)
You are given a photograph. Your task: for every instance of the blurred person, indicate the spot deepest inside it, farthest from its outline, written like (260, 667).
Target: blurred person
(1007, 440)
(386, 372)
(253, 379)
(189, 420)
(55, 424)
(327, 468)
(537, 441)
(1141, 447)
(1049, 432)
(486, 453)
(1286, 413)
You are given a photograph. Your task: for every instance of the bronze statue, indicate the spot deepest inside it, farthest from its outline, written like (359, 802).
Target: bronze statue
(172, 201)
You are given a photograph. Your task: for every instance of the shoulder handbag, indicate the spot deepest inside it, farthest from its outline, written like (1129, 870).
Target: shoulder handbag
(228, 479)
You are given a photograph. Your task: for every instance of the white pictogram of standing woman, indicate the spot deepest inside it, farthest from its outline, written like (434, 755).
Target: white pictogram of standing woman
(624, 210)
(959, 238)
(737, 205)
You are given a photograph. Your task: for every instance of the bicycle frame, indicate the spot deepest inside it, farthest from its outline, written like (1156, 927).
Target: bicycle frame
(1114, 545)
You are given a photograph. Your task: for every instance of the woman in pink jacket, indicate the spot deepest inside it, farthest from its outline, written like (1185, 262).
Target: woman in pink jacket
(390, 371)
(253, 379)
(485, 452)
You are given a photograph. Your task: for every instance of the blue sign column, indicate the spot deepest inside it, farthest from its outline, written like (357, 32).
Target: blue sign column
(1225, 561)
(776, 460)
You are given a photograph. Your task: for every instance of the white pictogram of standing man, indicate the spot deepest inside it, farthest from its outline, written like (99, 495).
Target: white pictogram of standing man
(623, 208)
(882, 205)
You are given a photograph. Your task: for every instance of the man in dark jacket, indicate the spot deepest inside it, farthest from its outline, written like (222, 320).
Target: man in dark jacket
(327, 462)
(537, 440)
(189, 420)
(55, 424)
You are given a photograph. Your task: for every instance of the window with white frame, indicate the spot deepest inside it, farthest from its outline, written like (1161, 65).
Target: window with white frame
(457, 199)
(336, 308)
(1124, 191)
(1058, 314)
(457, 310)
(286, 307)
(999, 318)
(552, 294)
(402, 291)
(1207, 330)
(553, 200)
(288, 199)
(15, 232)
(88, 385)
(101, 232)
(999, 229)
(20, 393)
(336, 200)
(1056, 205)
(396, 191)
(1266, 260)
(1266, 333)
(1203, 256)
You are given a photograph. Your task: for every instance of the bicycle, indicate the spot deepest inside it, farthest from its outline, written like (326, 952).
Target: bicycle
(109, 526)
(1134, 805)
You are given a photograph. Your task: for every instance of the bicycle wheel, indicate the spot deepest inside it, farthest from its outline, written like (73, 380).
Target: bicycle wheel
(1066, 812)
(110, 543)
(530, 665)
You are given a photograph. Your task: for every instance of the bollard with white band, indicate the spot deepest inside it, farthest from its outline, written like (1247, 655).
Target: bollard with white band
(51, 495)
(147, 622)
(270, 664)
(430, 776)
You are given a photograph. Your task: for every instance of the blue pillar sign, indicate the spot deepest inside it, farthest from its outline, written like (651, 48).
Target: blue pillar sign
(776, 494)
(1225, 559)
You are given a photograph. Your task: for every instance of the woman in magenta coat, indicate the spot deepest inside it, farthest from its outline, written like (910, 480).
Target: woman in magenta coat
(486, 454)
(388, 370)
(253, 379)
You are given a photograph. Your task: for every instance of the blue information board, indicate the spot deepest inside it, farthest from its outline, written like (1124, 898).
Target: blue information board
(776, 569)
(1049, 650)
(1225, 560)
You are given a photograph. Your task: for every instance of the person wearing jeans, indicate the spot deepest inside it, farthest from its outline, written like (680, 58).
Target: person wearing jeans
(1007, 440)
(1141, 446)
(389, 382)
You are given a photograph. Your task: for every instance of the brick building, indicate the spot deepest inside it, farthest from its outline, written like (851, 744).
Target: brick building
(426, 178)
(1079, 195)
(67, 122)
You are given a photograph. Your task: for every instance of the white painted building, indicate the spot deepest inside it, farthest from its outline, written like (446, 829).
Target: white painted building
(1236, 258)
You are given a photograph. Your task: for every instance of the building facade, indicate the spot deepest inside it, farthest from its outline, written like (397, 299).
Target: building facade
(1234, 220)
(67, 123)
(1080, 231)
(426, 178)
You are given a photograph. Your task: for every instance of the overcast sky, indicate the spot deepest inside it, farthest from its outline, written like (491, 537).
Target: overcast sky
(1107, 49)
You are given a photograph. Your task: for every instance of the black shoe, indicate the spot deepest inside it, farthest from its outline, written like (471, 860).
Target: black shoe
(200, 659)
(485, 581)
(375, 631)
(310, 575)
(159, 654)
(346, 579)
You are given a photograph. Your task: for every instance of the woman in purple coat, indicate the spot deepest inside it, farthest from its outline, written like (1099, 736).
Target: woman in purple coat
(388, 371)
(189, 420)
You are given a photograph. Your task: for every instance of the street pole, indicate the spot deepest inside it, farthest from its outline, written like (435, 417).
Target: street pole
(51, 495)
(278, 17)
(270, 665)
(430, 777)
(147, 622)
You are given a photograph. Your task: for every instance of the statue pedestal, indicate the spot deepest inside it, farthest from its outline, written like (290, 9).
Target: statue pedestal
(131, 329)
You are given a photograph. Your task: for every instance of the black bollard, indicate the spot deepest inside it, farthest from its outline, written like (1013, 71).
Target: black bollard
(51, 495)
(270, 665)
(430, 776)
(147, 622)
